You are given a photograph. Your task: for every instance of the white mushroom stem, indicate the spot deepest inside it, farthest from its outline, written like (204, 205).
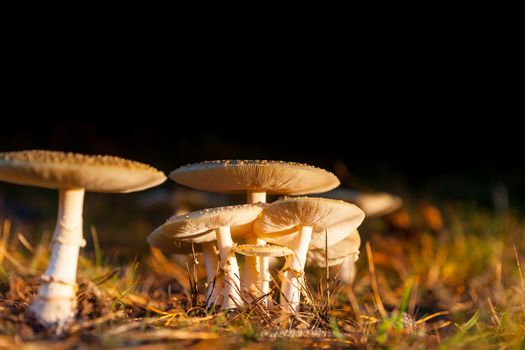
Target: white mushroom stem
(55, 303)
(293, 277)
(214, 282)
(256, 275)
(264, 272)
(347, 271)
(251, 273)
(231, 297)
(256, 197)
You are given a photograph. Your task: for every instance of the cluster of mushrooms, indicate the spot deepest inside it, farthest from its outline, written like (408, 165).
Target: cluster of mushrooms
(299, 228)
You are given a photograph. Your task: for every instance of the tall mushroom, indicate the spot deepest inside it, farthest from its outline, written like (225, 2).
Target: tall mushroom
(72, 174)
(256, 179)
(211, 261)
(300, 223)
(217, 224)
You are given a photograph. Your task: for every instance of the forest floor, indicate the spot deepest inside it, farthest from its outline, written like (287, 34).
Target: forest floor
(429, 277)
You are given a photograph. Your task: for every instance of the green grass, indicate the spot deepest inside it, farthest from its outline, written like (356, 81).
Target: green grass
(417, 287)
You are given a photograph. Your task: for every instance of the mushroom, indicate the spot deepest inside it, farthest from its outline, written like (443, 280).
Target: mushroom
(211, 261)
(217, 224)
(300, 223)
(265, 251)
(72, 174)
(256, 178)
(339, 254)
(374, 204)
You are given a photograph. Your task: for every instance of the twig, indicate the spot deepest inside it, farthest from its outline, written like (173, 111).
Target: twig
(373, 278)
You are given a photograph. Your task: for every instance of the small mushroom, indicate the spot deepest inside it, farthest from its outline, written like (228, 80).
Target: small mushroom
(211, 261)
(217, 224)
(300, 223)
(339, 254)
(72, 174)
(255, 178)
(374, 204)
(266, 251)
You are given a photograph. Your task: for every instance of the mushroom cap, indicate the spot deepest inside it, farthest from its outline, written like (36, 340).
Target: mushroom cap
(199, 226)
(239, 176)
(156, 240)
(348, 248)
(280, 221)
(262, 250)
(59, 170)
(373, 203)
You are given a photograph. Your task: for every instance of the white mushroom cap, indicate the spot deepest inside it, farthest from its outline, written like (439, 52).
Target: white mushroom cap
(272, 177)
(199, 226)
(347, 249)
(156, 240)
(262, 250)
(59, 170)
(373, 203)
(280, 221)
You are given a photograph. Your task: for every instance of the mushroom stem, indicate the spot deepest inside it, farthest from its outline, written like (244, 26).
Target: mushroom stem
(55, 303)
(347, 271)
(255, 197)
(213, 281)
(232, 286)
(264, 273)
(256, 275)
(293, 281)
(251, 273)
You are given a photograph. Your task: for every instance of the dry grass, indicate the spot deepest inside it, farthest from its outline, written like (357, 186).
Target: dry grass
(421, 284)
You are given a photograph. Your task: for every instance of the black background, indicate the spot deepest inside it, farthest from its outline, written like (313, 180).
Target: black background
(429, 155)
(403, 118)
